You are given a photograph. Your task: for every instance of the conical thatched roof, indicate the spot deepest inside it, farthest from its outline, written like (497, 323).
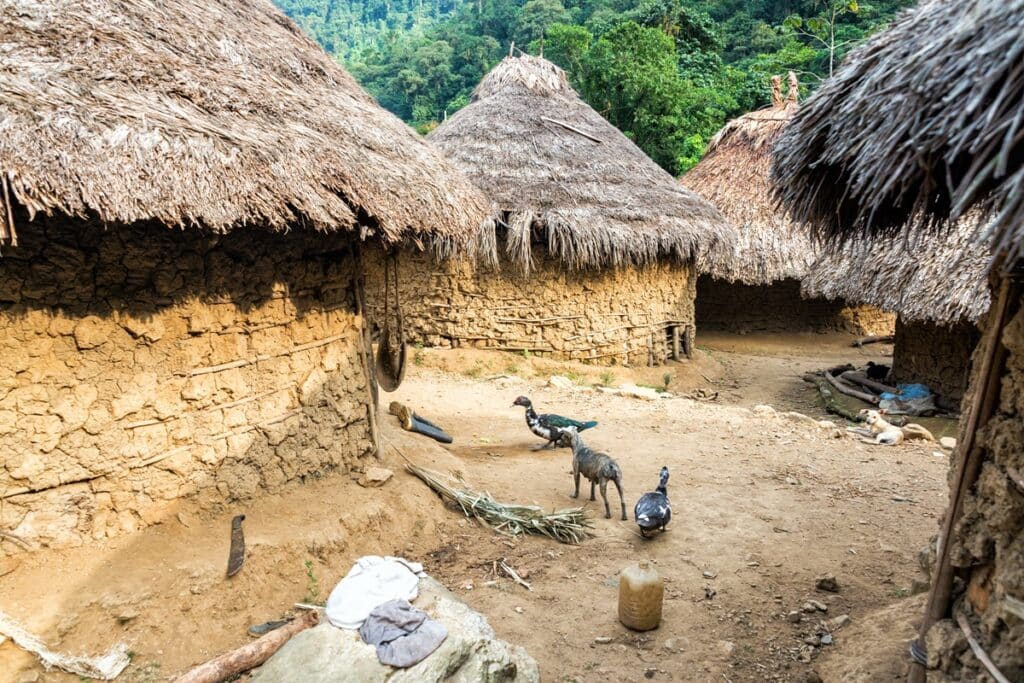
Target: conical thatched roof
(734, 176)
(920, 276)
(919, 126)
(215, 113)
(551, 163)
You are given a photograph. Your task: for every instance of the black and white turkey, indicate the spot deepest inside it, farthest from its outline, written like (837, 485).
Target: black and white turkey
(653, 511)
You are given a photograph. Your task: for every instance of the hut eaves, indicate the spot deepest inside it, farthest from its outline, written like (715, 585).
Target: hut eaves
(214, 114)
(556, 169)
(920, 126)
(734, 175)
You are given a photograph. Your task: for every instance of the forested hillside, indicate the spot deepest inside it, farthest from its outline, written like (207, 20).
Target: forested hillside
(668, 73)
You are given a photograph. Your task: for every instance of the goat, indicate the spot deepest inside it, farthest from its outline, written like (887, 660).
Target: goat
(598, 467)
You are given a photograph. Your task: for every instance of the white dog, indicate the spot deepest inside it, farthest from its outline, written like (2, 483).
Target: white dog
(880, 431)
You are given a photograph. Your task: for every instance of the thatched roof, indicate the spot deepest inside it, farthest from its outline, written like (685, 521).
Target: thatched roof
(558, 170)
(919, 126)
(734, 176)
(918, 275)
(216, 114)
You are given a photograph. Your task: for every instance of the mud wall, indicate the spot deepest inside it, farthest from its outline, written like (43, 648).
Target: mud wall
(630, 316)
(778, 307)
(988, 543)
(938, 356)
(142, 364)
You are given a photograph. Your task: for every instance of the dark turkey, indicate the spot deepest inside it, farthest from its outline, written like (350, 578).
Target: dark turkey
(549, 426)
(653, 511)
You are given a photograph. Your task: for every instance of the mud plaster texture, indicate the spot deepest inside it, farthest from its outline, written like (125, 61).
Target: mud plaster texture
(616, 316)
(142, 364)
(778, 307)
(939, 356)
(988, 542)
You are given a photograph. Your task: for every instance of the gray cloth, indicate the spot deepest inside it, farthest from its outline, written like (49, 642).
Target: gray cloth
(402, 634)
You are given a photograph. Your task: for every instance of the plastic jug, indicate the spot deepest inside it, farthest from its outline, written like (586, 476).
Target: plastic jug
(641, 591)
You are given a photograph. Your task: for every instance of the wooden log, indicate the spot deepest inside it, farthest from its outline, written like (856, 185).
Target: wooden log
(844, 388)
(249, 656)
(873, 339)
(863, 380)
(831, 405)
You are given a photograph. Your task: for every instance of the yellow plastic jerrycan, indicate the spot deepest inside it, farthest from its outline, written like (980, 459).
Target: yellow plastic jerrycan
(641, 591)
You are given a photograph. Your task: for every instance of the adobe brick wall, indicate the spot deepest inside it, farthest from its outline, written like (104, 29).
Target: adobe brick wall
(141, 364)
(778, 307)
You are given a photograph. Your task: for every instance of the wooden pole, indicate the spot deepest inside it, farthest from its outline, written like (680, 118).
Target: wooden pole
(248, 656)
(986, 399)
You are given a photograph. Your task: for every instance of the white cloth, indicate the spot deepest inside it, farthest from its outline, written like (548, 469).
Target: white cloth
(372, 581)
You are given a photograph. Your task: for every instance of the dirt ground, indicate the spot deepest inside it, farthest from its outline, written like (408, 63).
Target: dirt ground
(763, 503)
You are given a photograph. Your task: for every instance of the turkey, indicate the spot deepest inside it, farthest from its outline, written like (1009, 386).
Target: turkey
(653, 511)
(549, 426)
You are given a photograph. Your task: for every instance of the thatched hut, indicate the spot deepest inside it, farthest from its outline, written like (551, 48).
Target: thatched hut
(757, 288)
(183, 189)
(918, 130)
(938, 287)
(592, 257)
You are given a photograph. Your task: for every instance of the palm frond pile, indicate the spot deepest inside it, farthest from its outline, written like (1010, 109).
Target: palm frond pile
(566, 526)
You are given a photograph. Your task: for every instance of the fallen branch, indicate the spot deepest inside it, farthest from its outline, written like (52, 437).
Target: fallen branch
(105, 668)
(844, 388)
(831, 405)
(248, 656)
(515, 577)
(863, 380)
(873, 339)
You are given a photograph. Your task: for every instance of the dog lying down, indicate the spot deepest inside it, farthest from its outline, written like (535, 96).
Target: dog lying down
(884, 433)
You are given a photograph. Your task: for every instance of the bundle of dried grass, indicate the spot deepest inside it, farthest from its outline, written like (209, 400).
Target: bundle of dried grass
(734, 175)
(921, 125)
(213, 114)
(563, 176)
(567, 526)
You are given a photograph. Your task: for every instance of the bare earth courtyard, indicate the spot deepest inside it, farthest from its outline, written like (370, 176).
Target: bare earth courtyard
(764, 502)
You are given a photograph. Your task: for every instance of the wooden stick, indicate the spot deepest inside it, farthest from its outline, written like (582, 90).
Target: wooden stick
(565, 125)
(831, 405)
(982, 656)
(873, 339)
(515, 577)
(863, 380)
(248, 656)
(986, 399)
(844, 388)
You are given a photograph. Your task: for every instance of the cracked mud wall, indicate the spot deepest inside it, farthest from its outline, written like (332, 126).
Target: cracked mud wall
(987, 547)
(939, 356)
(778, 307)
(624, 316)
(141, 364)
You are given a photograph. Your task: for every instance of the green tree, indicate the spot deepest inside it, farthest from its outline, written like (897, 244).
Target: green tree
(537, 16)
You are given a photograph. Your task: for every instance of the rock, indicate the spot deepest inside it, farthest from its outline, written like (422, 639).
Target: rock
(838, 622)
(28, 677)
(471, 652)
(800, 418)
(795, 617)
(709, 575)
(127, 615)
(947, 442)
(826, 639)
(375, 476)
(826, 424)
(807, 608)
(633, 391)
(726, 647)
(674, 645)
(560, 382)
(827, 583)
(812, 677)
(762, 409)
(820, 606)
(813, 641)
(791, 481)
(602, 640)
(917, 586)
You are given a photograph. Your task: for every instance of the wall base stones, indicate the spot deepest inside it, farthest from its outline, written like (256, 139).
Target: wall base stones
(937, 356)
(142, 364)
(633, 316)
(778, 307)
